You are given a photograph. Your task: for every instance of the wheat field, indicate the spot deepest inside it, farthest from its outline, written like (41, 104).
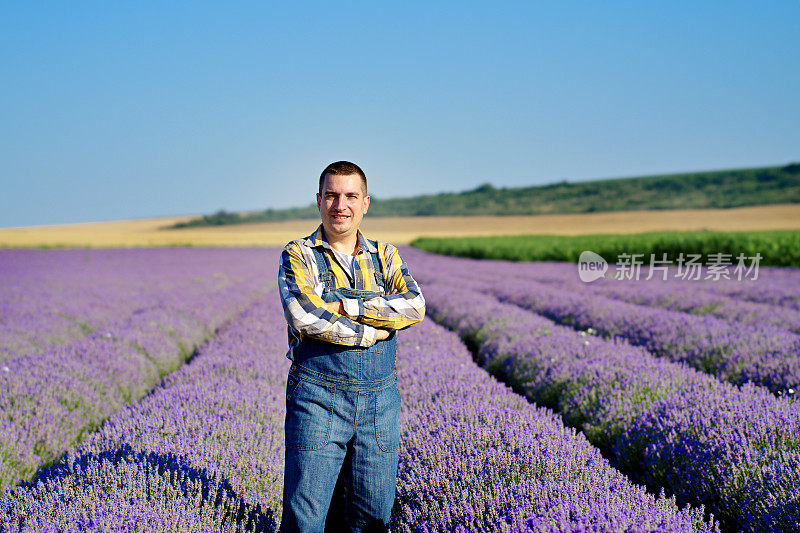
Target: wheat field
(398, 230)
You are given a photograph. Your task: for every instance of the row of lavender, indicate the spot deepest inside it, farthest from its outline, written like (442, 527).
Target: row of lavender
(477, 457)
(737, 353)
(702, 298)
(204, 452)
(773, 298)
(51, 297)
(732, 351)
(53, 394)
(737, 451)
(776, 287)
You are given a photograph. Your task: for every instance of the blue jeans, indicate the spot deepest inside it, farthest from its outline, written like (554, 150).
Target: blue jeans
(342, 423)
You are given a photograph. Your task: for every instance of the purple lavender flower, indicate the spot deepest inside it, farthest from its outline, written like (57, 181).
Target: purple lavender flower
(734, 352)
(205, 449)
(622, 398)
(143, 313)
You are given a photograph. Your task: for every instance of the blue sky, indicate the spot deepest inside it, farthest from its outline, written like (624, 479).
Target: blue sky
(116, 110)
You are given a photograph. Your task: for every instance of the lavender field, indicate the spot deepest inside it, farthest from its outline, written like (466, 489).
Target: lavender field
(143, 390)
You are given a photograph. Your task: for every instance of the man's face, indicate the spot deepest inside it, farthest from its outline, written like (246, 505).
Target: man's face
(342, 204)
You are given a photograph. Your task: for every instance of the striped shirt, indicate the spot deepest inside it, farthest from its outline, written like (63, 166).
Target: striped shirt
(301, 292)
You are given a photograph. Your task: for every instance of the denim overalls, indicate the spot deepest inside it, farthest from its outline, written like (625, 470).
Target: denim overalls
(342, 414)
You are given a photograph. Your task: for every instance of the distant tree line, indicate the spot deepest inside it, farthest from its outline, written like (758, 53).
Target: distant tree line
(717, 189)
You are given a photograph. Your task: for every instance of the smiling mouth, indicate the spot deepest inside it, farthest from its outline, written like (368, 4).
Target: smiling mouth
(339, 217)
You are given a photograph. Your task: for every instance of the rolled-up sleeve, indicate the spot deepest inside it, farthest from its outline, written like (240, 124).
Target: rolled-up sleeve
(392, 311)
(305, 310)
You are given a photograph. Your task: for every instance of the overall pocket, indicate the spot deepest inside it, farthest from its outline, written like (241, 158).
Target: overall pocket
(309, 413)
(387, 423)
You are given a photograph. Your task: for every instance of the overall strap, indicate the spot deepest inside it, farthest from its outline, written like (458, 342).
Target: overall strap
(325, 275)
(377, 265)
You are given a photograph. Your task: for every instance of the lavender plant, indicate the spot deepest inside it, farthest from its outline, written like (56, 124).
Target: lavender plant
(53, 395)
(666, 425)
(53, 297)
(477, 457)
(738, 353)
(683, 296)
(204, 452)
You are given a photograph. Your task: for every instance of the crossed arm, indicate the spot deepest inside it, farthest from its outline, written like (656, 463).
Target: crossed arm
(337, 307)
(349, 321)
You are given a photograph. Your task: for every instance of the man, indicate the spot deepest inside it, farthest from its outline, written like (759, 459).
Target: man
(344, 297)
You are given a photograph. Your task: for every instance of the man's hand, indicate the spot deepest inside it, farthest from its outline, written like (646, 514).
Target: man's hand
(380, 333)
(338, 307)
(335, 307)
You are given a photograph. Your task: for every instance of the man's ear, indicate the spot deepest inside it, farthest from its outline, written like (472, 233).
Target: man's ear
(319, 201)
(366, 204)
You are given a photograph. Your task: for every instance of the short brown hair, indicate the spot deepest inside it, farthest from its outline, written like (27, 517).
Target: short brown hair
(343, 168)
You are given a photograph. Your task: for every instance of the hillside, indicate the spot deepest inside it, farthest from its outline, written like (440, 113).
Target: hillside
(717, 189)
